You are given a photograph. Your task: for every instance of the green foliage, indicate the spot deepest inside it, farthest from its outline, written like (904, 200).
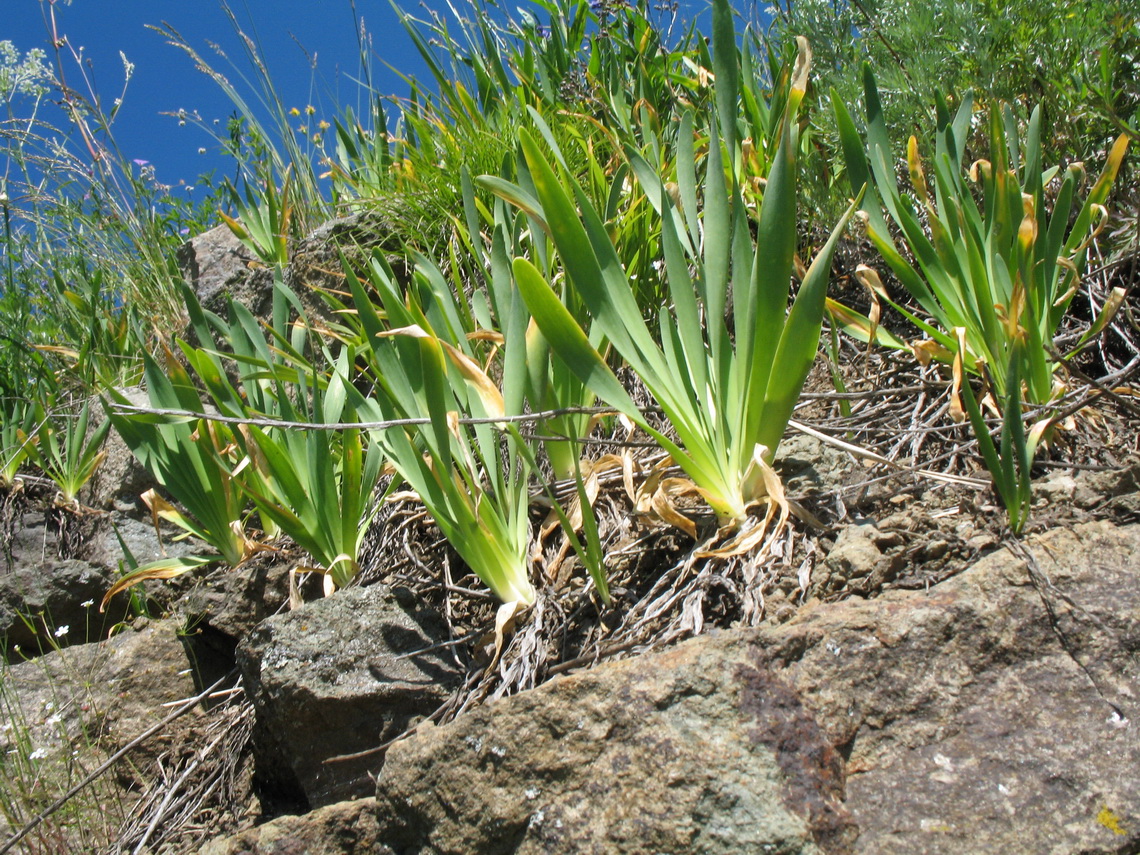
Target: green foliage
(997, 266)
(316, 486)
(192, 459)
(637, 200)
(87, 249)
(1078, 56)
(1010, 462)
(264, 220)
(17, 434)
(66, 452)
(472, 478)
(727, 394)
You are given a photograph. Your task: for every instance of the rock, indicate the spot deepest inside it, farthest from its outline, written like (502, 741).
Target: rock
(114, 531)
(861, 561)
(995, 713)
(235, 600)
(216, 265)
(225, 605)
(345, 828)
(336, 677)
(54, 604)
(120, 479)
(1116, 492)
(66, 713)
(220, 268)
(698, 749)
(809, 466)
(94, 698)
(317, 264)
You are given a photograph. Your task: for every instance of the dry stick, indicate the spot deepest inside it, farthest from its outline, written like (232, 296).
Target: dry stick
(111, 761)
(871, 393)
(878, 458)
(1127, 406)
(590, 658)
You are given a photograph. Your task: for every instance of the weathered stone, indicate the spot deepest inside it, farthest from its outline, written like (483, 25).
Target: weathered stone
(809, 466)
(235, 600)
(55, 604)
(995, 713)
(67, 712)
(215, 264)
(345, 828)
(698, 749)
(114, 532)
(860, 562)
(967, 714)
(317, 262)
(220, 268)
(338, 676)
(94, 698)
(225, 605)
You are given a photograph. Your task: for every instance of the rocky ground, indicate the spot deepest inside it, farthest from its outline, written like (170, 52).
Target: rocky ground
(900, 676)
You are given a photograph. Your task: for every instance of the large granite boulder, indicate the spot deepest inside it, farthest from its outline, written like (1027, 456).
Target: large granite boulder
(995, 713)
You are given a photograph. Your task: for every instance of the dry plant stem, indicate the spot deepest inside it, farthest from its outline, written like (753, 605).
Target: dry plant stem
(590, 659)
(878, 458)
(111, 761)
(1127, 406)
(173, 791)
(176, 803)
(871, 394)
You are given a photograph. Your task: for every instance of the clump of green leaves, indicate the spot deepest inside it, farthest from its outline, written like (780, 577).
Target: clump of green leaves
(67, 452)
(17, 434)
(728, 394)
(264, 219)
(191, 459)
(998, 263)
(1010, 460)
(472, 478)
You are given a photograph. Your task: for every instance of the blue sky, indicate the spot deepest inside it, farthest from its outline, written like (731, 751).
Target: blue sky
(291, 33)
